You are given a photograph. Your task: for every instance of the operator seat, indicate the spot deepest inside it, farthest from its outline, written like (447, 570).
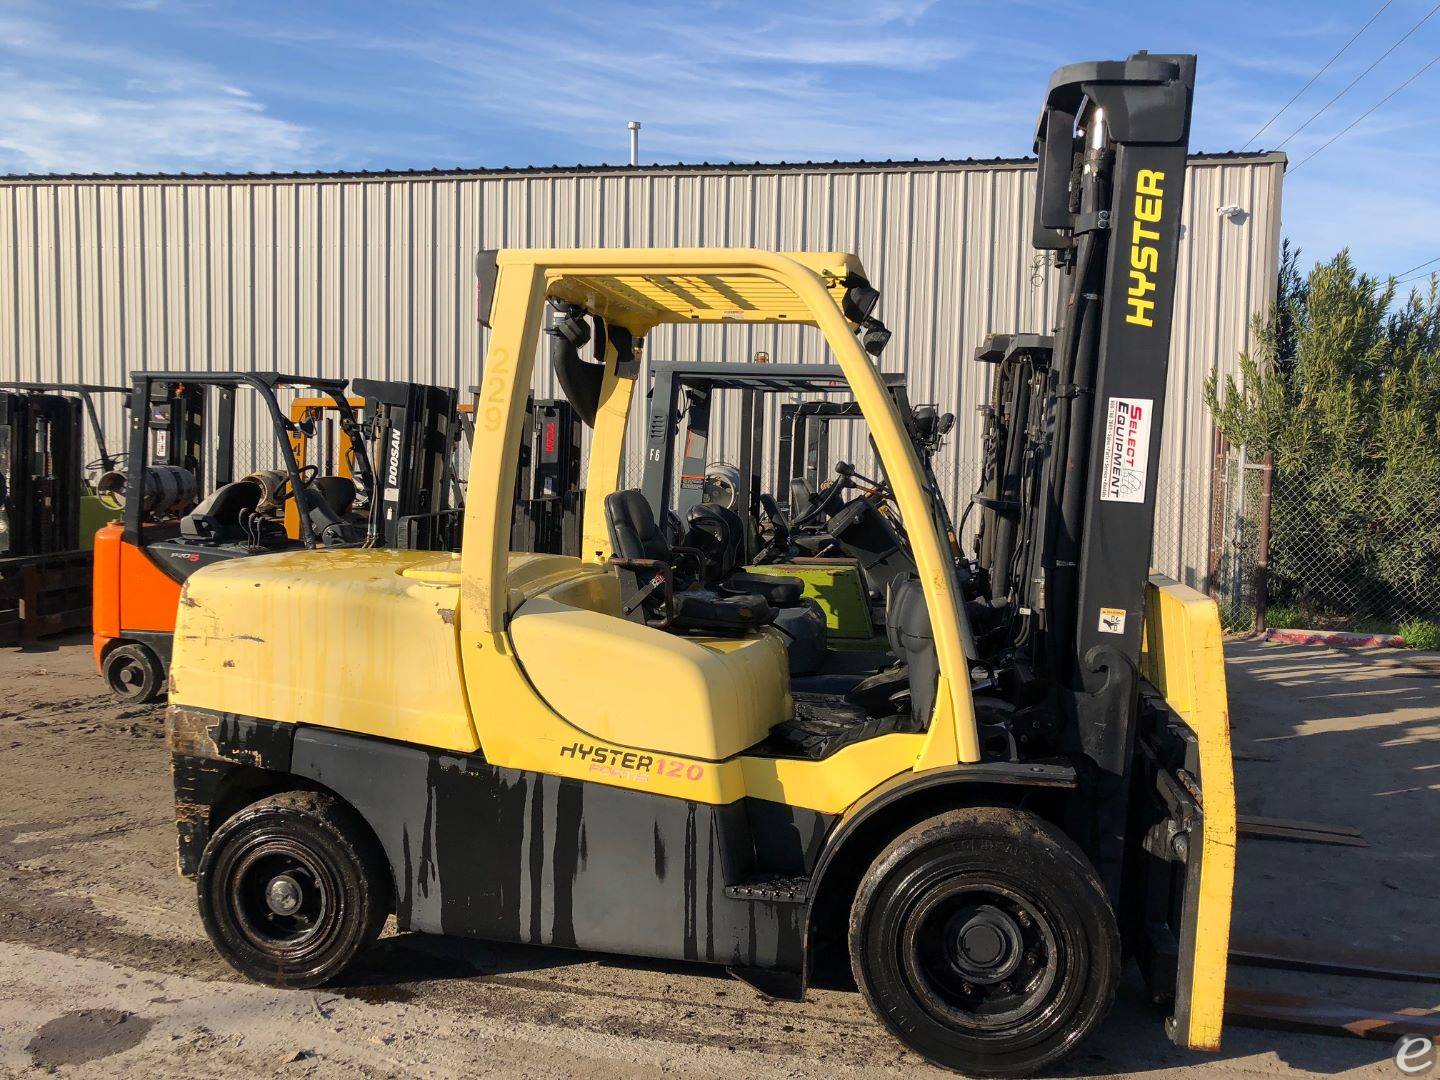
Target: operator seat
(648, 577)
(718, 533)
(805, 527)
(217, 519)
(779, 524)
(867, 535)
(339, 492)
(802, 497)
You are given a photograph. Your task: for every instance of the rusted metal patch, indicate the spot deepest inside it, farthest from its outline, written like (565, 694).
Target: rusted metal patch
(241, 740)
(187, 731)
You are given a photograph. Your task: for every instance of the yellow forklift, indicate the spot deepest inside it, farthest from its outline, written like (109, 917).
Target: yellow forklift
(599, 752)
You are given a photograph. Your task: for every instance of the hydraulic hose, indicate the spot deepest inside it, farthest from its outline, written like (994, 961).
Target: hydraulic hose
(1077, 393)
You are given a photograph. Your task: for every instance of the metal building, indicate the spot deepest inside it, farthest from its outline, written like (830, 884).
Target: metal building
(372, 274)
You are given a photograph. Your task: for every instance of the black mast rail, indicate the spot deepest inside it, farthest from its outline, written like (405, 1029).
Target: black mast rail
(1067, 505)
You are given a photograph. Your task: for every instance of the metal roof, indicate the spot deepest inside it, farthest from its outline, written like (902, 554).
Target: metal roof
(464, 173)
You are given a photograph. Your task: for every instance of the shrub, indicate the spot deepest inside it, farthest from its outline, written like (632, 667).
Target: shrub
(1421, 634)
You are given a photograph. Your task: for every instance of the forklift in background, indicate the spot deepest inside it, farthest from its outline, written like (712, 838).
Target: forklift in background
(411, 429)
(728, 512)
(547, 749)
(384, 484)
(49, 510)
(549, 501)
(318, 436)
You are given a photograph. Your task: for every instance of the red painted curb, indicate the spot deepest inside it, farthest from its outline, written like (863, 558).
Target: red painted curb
(1336, 637)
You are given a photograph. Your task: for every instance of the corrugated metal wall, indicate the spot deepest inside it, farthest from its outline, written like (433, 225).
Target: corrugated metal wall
(373, 276)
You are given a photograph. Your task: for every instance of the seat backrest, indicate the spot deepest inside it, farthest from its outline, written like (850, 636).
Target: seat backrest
(338, 491)
(631, 525)
(217, 518)
(716, 532)
(771, 509)
(802, 497)
(868, 535)
(907, 625)
(773, 527)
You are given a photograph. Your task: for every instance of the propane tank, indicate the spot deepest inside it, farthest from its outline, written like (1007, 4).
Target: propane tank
(721, 486)
(270, 481)
(167, 488)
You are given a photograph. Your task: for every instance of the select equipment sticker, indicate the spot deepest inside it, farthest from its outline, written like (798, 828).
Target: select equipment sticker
(1127, 450)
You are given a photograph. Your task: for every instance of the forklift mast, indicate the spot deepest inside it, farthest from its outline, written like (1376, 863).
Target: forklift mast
(410, 427)
(1074, 425)
(40, 470)
(549, 499)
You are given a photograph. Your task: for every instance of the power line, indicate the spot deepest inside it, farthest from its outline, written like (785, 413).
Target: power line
(1427, 262)
(1423, 19)
(1317, 75)
(1433, 61)
(1417, 277)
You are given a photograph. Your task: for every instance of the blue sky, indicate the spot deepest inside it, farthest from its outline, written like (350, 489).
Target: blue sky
(200, 85)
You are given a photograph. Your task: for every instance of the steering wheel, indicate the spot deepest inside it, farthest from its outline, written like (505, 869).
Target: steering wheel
(826, 503)
(116, 461)
(287, 491)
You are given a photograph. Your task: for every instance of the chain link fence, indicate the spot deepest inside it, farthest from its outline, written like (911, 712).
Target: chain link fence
(1288, 552)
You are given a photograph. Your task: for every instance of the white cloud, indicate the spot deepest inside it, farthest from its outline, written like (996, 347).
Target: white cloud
(75, 107)
(704, 90)
(67, 127)
(714, 81)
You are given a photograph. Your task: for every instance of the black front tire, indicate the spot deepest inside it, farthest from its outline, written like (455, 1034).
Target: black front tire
(984, 941)
(292, 888)
(134, 673)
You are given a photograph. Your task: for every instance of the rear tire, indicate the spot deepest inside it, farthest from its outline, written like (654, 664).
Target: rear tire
(134, 673)
(292, 888)
(984, 941)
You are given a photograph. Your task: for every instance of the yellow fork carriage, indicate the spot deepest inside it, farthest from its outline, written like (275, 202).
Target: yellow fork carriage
(618, 751)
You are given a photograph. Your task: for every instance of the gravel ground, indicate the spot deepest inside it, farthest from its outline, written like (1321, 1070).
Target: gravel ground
(104, 969)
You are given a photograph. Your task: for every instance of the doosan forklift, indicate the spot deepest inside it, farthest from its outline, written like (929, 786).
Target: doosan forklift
(590, 752)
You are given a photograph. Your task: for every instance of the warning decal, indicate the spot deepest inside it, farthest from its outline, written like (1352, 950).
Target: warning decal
(1126, 455)
(1112, 620)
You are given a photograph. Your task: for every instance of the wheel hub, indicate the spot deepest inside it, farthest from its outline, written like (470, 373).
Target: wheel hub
(985, 944)
(283, 895)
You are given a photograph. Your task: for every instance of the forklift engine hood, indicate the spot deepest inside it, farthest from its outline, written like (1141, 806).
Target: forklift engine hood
(361, 640)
